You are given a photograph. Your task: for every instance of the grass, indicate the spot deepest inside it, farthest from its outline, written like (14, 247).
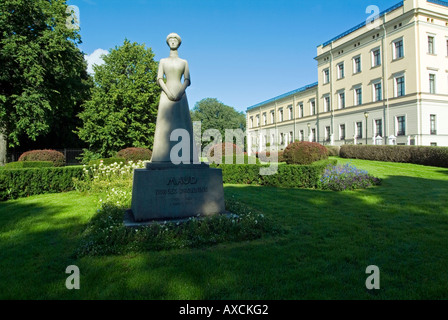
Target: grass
(330, 239)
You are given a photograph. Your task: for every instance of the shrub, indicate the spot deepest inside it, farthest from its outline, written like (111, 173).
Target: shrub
(217, 154)
(288, 176)
(135, 154)
(17, 183)
(29, 164)
(303, 152)
(333, 151)
(264, 156)
(87, 156)
(54, 156)
(346, 177)
(429, 156)
(107, 161)
(220, 150)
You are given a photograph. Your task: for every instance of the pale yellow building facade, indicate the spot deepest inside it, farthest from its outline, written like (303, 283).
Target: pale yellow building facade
(384, 81)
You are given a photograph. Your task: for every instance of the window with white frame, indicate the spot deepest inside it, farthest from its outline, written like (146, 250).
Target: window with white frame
(258, 120)
(432, 83)
(290, 115)
(280, 115)
(378, 127)
(401, 125)
(341, 72)
(431, 44)
(376, 57)
(327, 106)
(313, 132)
(251, 122)
(326, 74)
(342, 132)
(398, 49)
(327, 133)
(358, 96)
(359, 130)
(265, 119)
(300, 110)
(377, 91)
(272, 117)
(341, 98)
(433, 124)
(313, 107)
(291, 137)
(302, 135)
(357, 64)
(400, 88)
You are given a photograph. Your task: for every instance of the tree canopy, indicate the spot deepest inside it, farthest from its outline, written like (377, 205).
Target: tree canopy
(43, 74)
(213, 114)
(122, 110)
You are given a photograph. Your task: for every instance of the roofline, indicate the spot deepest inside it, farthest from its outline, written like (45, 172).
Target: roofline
(363, 24)
(304, 88)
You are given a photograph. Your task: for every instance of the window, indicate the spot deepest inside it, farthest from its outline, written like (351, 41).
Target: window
(302, 136)
(376, 57)
(432, 83)
(359, 130)
(258, 120)
(313, 132)
(341, 70)
(313, 107)
(272, 117)
(342, 132)
(377, 91)
(398, 49)
(341, 100)
(280, 113)
(433, 124)
(290, 115)
(399, 86)
(251, 122)
(433, 144)
(401, 126)
(358, 96)
(301, 110)
(291, 137)
(326, 76)
(327, 133)
(265, 119)
(431, 45)
(378, 128)
(282, 138)
(327, 104)
(357, 64)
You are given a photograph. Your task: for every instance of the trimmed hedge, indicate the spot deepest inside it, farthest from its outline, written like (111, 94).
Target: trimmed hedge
(135, 154)
(333, 150)
(54, 156)
(428, 156)
(304, 153)
(107, 161)
(29, 164)
(288, 176)
(16, 183)
(264, 155)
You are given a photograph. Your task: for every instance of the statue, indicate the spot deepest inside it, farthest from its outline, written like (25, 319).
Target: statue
(174, 112)
(166, 190)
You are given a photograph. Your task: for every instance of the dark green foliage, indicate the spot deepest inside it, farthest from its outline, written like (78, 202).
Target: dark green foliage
(213, 114)
(107, 235)
(288, 176)
(54, 156)
(29, 164)
(429, 156)
(333, 151)
(16, 183)
(43, 74)
(303, 152)
(135, 154)
(122, 111)
(107, 161)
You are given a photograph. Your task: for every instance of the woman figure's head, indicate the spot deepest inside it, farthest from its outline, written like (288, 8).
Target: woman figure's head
(173, 40)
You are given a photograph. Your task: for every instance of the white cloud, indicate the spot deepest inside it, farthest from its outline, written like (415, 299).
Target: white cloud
(95, 58)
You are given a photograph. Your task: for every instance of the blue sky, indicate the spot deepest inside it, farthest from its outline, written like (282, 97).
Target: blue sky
(241, 52)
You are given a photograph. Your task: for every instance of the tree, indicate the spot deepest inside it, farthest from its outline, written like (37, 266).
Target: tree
(213, 114)
(122, 110)
(43, 74)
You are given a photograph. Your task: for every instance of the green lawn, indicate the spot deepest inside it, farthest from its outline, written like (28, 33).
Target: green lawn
(330, 239)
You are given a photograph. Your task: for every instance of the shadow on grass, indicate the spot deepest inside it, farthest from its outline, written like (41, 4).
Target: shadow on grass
(401, 226)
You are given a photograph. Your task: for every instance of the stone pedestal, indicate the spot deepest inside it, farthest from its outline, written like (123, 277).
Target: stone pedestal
(165, 191)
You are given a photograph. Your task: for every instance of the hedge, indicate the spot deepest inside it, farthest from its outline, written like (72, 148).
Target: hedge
(135, 154)
(56, 157)
(288, 176)
(428, 156)
(16, 183)
(29, 164)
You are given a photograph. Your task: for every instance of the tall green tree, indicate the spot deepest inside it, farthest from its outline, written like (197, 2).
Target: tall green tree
(214, 114)
(122, 110)
(43, 74)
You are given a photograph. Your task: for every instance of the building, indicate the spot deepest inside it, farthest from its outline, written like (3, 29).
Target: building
(385, 81)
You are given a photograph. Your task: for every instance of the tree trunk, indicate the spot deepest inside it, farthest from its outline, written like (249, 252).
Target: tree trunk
(2, 149)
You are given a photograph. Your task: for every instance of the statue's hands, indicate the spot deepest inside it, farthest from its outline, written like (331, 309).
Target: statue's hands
(171, 96)
(179, 95)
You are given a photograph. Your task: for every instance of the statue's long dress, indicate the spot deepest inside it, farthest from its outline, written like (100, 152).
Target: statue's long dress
(172, 115)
